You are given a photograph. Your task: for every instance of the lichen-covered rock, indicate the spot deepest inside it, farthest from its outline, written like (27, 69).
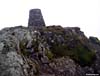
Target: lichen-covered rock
(50, 51)
(12, 61)
(63, 67)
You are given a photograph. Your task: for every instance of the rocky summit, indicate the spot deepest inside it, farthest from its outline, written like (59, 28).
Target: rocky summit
(49, 51)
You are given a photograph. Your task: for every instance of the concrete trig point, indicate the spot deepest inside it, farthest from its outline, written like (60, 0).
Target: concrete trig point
(36, 19)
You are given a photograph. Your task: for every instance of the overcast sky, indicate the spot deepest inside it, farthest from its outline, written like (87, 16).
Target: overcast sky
(82, 13)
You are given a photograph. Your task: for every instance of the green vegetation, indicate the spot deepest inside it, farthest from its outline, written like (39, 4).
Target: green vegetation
(54, 29)
(73, 46)
(49, 54)
(80, 54)
(83, 55)
(22, 46)
(59, 50)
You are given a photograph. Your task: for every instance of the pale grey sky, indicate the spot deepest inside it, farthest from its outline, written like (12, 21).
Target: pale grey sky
(82, 13)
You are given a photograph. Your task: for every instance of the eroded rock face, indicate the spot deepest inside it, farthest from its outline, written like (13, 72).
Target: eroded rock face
(52, 51)
(12, 61)
(96, 44)
(36, 20)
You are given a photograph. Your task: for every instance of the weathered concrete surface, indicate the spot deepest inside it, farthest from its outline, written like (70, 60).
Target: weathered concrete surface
(35, 19)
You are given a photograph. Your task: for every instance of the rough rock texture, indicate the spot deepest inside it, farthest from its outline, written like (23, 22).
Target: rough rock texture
(38, 50)
(51, 51)
(35, 19)
(96, 44)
